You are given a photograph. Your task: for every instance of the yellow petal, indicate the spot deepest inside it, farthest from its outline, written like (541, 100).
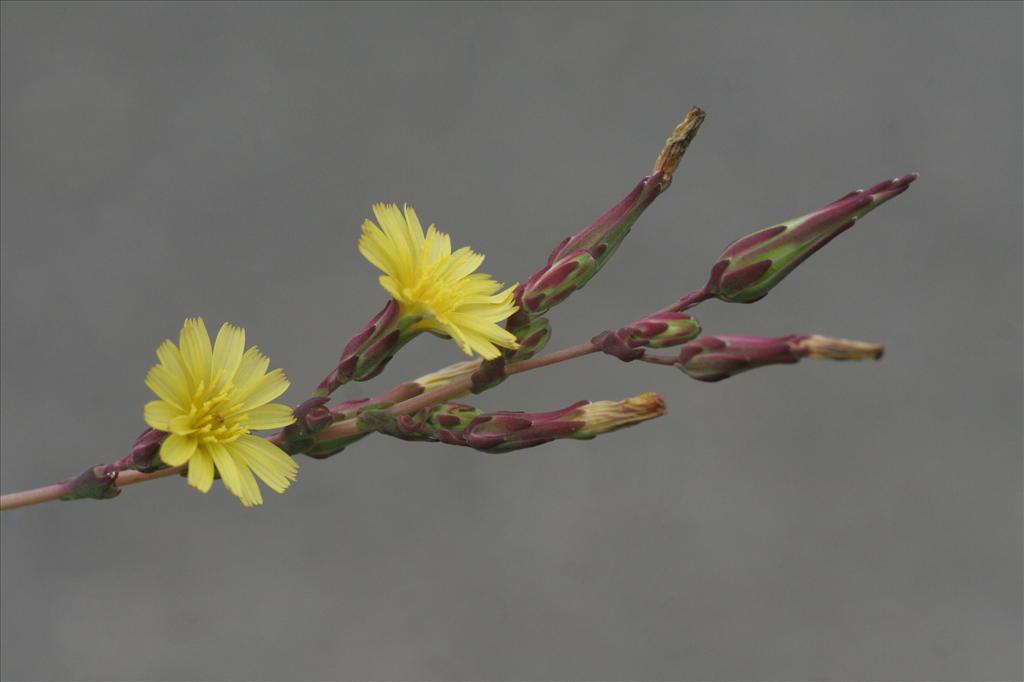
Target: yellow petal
(227, 352)
(267, 461)
(252, 368)
(176, 450)
(251, 495)
(226, 467)
(196, 350)
(169, 388)
(200, 470)
(159, 414)
(271, 416)
(264, 390)
(170, 357)
(181, 425)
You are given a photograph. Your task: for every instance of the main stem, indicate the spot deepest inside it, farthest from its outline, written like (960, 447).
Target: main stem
(349, 427)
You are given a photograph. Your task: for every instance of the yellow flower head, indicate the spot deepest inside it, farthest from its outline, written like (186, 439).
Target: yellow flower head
(211, 397)
(428, 280)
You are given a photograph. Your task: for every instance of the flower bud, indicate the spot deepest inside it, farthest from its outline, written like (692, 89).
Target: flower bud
(577, 259)
(662, 329)
(750, 267)
(554, 284)
(144, 455)
(97, 482)
(311, 417)
(366, 355)
(713, 358)
(457, 424)
(532, 336)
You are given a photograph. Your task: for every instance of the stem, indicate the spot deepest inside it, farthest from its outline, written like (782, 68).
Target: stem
(348, 427)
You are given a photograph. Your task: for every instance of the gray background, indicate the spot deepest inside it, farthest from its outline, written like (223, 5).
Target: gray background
(828, 521)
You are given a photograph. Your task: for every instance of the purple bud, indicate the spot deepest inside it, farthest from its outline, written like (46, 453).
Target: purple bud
(662, 329)
(97, 483)
(144, 455)
(750, 267)
(577, 259)
(369, 351)
(713, 358)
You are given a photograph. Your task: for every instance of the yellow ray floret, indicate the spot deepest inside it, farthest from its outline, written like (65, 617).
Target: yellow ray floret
(427, 279)
(210, 397)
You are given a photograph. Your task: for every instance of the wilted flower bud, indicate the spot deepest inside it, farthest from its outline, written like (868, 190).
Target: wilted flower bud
(607, 415)
(713, 358)
(749, 267)
(658, 330)
(447, 375)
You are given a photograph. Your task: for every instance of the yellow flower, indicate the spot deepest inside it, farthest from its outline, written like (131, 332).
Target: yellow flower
(210, 399)
(426, 279)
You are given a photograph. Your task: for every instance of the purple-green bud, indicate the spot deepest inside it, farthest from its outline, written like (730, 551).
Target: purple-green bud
(662, 329)
(532, 338)
(750, 267)
(442, 423)
(577, 259)
(464, 425)
(369, 351)
(97, 483)
(713, 358)
(145, 452)
(311, 417)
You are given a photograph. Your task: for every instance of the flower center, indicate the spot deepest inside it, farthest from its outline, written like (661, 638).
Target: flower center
(217, 417)
(427, 290)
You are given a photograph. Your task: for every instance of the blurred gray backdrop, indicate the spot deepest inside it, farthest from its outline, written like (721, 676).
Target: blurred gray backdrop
(825, 521)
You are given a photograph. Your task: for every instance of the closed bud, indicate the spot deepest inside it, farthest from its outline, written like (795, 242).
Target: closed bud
(554, 284)
(663, 329)
(532, 337)
(144, 455)
(369, 351)
(577, 259)
(750, 267)
(457, 424)
(713, 358)
(97, 483)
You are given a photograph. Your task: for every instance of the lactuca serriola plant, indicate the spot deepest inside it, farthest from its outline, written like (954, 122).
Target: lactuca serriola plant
(214, 397)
